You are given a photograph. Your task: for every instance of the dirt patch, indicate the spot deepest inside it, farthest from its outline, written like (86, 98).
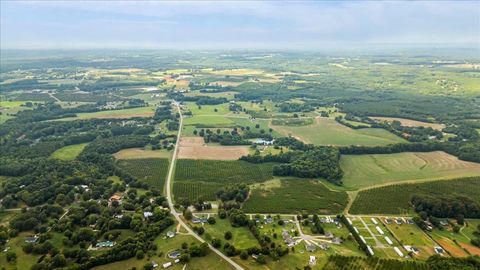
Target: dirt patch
(454, 250)
(195, 148)
(410, 123)
(472, 249)
(135, 153)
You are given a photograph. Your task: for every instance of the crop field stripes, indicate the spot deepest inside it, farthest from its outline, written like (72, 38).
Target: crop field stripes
(150, 170)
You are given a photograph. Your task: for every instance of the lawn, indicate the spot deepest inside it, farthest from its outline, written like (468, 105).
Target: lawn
(366, 170)
(395, 199)
(292, 195)
(24, 261)
(69, 152)
(326, 131)
(242, 238)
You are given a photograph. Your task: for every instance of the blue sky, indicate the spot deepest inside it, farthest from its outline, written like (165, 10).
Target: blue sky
(237, 24)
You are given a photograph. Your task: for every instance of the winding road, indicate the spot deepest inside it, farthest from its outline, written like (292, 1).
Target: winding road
(174, 212)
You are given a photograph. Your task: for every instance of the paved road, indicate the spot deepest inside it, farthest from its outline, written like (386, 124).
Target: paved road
(170, 201)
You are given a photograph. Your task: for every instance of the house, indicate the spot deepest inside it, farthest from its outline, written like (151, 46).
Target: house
(31, 239)
(197, 220)
(374, 221)
(154, 264)
(312, 260)
(379, 230)
(388, 220)
(263, 141)
(389, 241)
(166, 265)
(147, 214)
(399, 221)
(443, 223)
(105, 244)
(397, 250)
(310, 247)
(439, 250)
(410, 221)
(370, 251)
(115, 198)
(268, 220)
(170, 234)
(174, 254)
(412, 249)
(329, 235)
(337, 240)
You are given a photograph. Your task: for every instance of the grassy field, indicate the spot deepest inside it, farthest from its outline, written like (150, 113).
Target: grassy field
(150, 170)
(395, 199)
(366, 170)
(326, 131)
(293, 195)
(24, 261)
(411, 235)
(11, 107)
(69, 152)
(242, 238)
(410, 123)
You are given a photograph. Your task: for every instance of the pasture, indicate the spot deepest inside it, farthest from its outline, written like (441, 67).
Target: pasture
(195, 148)
(116, 114)
(292, 195)
(395, 199)
(362, 171)
(69, 152)
(136, 153)
(326, 131)
(410, 123)
(150, 170)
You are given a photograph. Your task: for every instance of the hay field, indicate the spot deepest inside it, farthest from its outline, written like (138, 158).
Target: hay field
(69, 152)
(410, 123)
(366, 170)
(195, 148)
(326, 131)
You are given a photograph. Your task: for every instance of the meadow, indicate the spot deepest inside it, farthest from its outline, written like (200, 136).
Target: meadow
(150, 170)
(69, 152)
(293, 195)
(118, 114)
(395, 199)
(362, 171)
(326, 131)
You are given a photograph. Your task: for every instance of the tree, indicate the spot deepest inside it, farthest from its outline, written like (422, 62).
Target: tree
(216, 242)
(228, 235)
(11, 256)
(140, 255)
(243, 255)
(211, 220)
(187, 214)
(59, 260)
(261, 259)
(184, 258)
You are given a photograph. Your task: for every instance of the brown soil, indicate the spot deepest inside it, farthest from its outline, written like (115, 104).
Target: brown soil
(195, 148)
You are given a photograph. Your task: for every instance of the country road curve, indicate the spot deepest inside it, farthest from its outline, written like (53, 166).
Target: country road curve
(170, 200)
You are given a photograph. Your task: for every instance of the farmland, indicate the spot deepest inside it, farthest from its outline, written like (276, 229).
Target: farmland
(69, 152)
(115, 114)
(294, 195)
(395, 199)
(136, 153)
(326, 131)
(410, 123)
(195, 148)
(362, 171)
(150, 170)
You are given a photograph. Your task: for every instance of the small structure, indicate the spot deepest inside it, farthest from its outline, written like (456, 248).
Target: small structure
(154, 264)
(324, 246)
(397, 250)
(174, 254)
(410, 221)
(197, 220)
(147, 214)
(379, 230)
(337, 240)
(439, 250)
(170, 234)
(268, 220)
(370, 251)
(312, 260)
(388, 220)
(115, 198)
(374, 221)
(363, 239)
(105, 244)
(310, 247)
(263, 142)
(329, 235)
(166, 265)
(389, 241)
(412, 249)
(31, 239)
(399, 221)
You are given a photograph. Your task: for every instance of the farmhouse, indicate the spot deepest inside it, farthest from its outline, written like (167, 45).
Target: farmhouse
(174, 254)
(31, 239)
(105, 244)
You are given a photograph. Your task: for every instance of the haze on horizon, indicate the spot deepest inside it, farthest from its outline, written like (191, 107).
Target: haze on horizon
(233, 25)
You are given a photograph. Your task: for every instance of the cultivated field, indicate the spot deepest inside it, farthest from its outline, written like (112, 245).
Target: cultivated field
(326, 131)
(293, 195)
(366, 170)
(69, 152)
(410, 123)
(117, 114)
(136, 153)
(195, 148)
(150, 170)
(395, 199)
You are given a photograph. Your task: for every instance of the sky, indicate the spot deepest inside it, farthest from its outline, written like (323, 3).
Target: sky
(237, 24)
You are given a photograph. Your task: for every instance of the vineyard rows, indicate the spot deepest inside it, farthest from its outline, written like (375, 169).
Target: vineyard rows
(150, 170)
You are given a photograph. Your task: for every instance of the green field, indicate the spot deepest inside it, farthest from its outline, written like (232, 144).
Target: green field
(326, 131)
(150, 170)
(293, 195)
(205, 116)
(69, 152)
(395, 199)
(124, 113)
(366, 170)
(242, 238)
(192, 191)
(11, 107)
